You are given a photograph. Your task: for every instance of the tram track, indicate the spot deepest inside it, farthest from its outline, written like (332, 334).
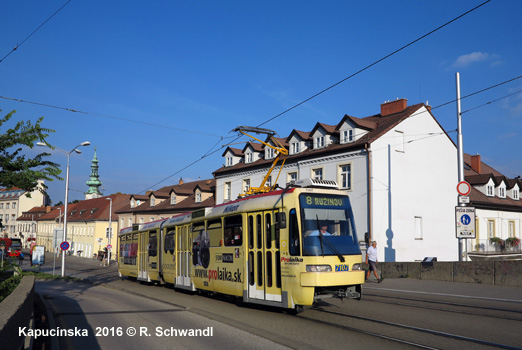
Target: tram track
(432, 339)
(493, 312)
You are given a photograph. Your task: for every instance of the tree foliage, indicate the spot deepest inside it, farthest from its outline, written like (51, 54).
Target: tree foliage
(18, 170)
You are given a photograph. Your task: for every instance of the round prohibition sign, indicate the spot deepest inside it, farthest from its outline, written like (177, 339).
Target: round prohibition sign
(463, 188)
(64, 245)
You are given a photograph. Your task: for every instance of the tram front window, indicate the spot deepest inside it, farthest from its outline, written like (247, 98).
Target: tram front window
(327, 225)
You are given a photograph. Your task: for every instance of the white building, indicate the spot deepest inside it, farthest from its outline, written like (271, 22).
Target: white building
(399, 168)
(498, 211)
(13, 202)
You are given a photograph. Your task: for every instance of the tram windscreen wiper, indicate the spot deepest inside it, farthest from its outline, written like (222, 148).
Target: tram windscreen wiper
(331, 246)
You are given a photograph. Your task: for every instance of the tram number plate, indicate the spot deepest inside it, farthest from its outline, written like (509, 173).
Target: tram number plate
(342, 268)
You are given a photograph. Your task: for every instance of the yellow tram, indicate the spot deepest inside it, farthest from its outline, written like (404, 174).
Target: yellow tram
(283, 248)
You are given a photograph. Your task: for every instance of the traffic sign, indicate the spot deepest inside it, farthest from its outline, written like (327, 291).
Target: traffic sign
(463, 188)
(465, 222)
(109, 246)
(64, 245)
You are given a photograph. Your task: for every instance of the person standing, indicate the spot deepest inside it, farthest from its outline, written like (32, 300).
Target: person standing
(371, 257)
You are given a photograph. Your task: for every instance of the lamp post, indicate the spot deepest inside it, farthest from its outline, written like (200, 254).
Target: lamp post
(86, 143)
(110, 232)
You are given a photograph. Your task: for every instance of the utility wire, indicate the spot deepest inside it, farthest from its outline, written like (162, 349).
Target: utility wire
(111, 117)
(374, 63)
(34, 31)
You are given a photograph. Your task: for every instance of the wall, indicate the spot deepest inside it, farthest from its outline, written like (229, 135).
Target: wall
(17, 312)
(498, 273)
(414, 174)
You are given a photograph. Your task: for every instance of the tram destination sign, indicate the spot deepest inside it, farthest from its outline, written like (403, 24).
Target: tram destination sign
(465, 222)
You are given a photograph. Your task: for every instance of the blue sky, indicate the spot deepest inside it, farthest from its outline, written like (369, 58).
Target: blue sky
(188, 72)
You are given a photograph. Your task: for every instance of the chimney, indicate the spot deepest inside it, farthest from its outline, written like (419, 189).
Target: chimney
(47, 209)
(476, 163)
(393, 107)
(180, 181)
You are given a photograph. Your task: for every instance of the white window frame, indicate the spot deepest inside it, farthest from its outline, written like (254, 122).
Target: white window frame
(399, 141)
(249, 157)
(269, 153)
(227, 191)
(295, 147)
(490, 191)
(345, 173)
(173, 199)
(418, 229)
(516, 194)
(246, 185)
(229, 161)
(318, 173)
(292, 176)
(198, 197)
(319, 141)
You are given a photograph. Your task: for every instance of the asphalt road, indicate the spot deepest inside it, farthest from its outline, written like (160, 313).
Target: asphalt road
(472, 313)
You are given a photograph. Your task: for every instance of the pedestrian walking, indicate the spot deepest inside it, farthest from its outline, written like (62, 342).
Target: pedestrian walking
(371, 257)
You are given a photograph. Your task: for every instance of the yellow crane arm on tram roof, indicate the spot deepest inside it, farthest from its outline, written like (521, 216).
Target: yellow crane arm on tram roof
(281, 151)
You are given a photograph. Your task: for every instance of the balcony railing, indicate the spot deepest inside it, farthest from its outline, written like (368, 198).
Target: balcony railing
(487, 246)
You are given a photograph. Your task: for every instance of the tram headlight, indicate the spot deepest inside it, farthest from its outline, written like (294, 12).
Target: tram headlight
(356, 267)
(318, 268)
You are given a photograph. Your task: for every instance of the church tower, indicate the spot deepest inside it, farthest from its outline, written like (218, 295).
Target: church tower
(94, 182)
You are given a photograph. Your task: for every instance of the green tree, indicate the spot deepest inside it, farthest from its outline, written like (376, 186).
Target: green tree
(16, 169)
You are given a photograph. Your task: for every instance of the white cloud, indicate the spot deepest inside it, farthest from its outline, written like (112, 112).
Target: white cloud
(466, 60)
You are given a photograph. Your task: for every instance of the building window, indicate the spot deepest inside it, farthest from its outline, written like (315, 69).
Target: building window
(345, 176)
(14, 205)
(269, 153)
(141, 221)
(173, 199)
(516, 194)
(317, 174)
(295, 147)
(511, 229)
(227, 193)
(502, 192)
(418, 227)
(489, 190)
(229, 161)
(269, 181)
(152, 201)
(246, 185)
(130, 222)
(319, 142)
(7, 205)
(491, 228)
(249, 157)
(198, 197)
(132, 204)
(347, 136)
(291, 177)
(399, 141)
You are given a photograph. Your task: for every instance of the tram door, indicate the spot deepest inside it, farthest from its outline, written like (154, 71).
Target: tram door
(184, 252)
(143, 247)
(264, 267)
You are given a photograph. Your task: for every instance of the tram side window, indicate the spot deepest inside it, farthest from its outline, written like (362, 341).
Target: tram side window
(153, 244)
(214, 229)
(233, 232)
(170, 242)
(295, 244)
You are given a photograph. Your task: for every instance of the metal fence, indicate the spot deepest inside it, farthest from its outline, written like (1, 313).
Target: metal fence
(495, 246)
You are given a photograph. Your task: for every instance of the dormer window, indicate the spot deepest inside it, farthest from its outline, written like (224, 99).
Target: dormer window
(516, 195)
(502, 192)
(249, 157)
(173, 199)
(152, 201)
(198, 197)
(295, 147)
(319, 142)
(229, 161)
(489, 190)
(348, 136)
(269, 153)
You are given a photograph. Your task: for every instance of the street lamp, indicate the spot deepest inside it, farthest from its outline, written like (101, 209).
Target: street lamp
(109, 248)
(86, 143)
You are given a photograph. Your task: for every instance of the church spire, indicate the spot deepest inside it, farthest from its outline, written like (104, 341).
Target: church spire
(94, 182)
